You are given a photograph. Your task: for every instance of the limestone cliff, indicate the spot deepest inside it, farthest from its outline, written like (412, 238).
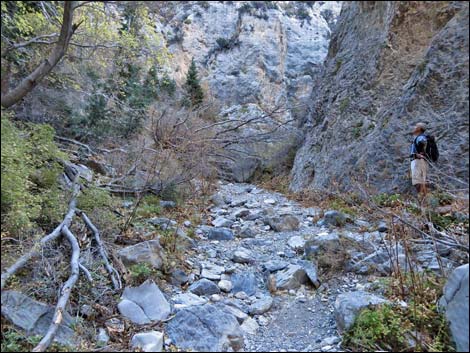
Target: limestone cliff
(389, 65)
(253, 56)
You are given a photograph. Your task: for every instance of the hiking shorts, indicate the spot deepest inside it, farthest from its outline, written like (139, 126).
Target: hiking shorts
(419, 171)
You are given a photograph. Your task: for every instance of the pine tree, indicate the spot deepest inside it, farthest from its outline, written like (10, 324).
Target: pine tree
(193, 86)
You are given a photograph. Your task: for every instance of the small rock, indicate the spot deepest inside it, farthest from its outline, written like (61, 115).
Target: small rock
(242, 256)
(187, 224)
(220, 234)
(283, 223)
(204, 287)
(250, 326)
(178, 277)
(263, 321)
(329, 341)
(218, 200)
(162, 223)
(102, 338)
(225, 286)
(326, 348)
(334, 218)
(241, 295)
(151, 341)
(246, 232)
(222, 222)
(86, 310)
(215, 298)
(184, 300)
(261, 306)
(293, 276)
(296, 242)
(127, 204)
(270, 202)
(167, 204)
(149, 252)
(275, 265)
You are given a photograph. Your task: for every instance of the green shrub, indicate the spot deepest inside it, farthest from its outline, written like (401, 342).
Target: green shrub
(30, 191)
(92, 198)
(13, 341)
(141, 272)
(381, 328)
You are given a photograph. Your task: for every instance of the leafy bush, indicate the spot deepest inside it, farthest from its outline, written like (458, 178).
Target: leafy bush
(419, 327)
(93, 198)
(141, 272)
(377, 329)
(149, 206)
(13, 341)
(30, 191)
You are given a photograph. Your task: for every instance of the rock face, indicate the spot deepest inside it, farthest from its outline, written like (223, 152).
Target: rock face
(144, 304)
(389, 65)
(205, 329)
(455, 302)
(35, 317)
(149, 252)
(252, 56)
(349, 305)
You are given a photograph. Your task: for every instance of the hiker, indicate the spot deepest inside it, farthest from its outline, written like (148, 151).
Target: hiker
(419, 163)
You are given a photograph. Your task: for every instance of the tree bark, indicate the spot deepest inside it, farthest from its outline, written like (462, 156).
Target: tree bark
(29, 82)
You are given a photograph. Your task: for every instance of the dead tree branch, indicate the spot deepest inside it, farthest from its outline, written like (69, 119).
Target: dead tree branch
(113, 274)
(23, 260)
(64, 293)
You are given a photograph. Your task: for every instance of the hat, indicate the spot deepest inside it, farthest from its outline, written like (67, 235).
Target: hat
(420, 126)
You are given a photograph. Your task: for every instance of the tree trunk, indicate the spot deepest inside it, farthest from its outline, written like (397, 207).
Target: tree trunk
(29, 82)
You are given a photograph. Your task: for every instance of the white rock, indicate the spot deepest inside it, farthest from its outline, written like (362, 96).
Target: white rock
(296, 242)
(225, 286)
(270, 202)
(250, 326)
(151, 341)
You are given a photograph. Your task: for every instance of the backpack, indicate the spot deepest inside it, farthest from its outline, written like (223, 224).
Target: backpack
(432, 152)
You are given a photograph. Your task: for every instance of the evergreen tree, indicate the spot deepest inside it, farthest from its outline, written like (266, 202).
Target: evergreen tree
(193, 86)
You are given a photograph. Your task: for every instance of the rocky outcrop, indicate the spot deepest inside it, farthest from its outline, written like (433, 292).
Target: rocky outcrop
(389, 65)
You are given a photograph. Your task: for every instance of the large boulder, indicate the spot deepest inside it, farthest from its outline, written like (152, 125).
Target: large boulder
(205, 328)
(455, 303)
(220, 234)
(35, 317)
(349, 305)
(149, 252)
(144, 304)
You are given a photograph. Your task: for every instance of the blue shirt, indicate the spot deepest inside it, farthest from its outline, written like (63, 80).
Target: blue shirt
(419, 141)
